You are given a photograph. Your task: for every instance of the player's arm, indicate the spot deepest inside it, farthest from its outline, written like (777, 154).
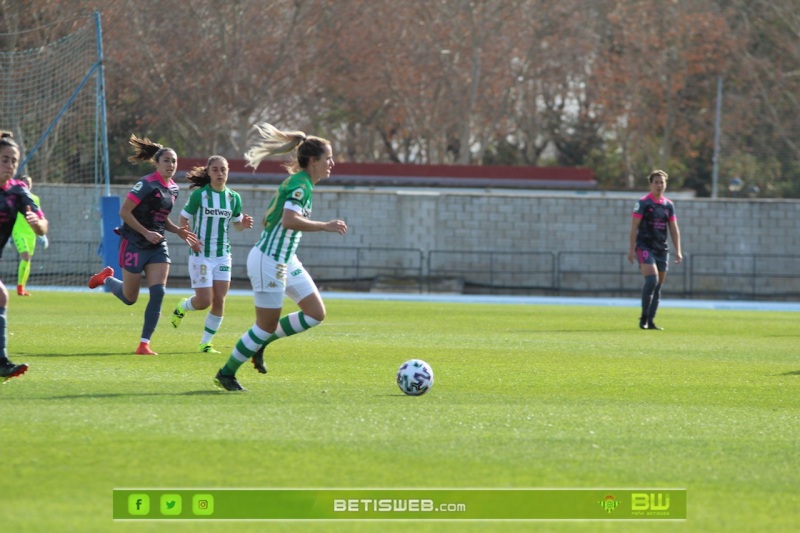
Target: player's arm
(635, 221)
(127, 216)
(182, 231)
(36, 219)
(294, 220)
(245, 223)
(675, 233)
(34, 214)
(241, 220)
(197, 244)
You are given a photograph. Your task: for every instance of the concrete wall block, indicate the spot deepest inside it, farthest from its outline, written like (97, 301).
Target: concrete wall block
(445, 220)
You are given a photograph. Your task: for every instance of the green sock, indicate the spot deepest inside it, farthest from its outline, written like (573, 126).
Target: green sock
(292, 324)
(253, 339)
(231, 367)
(24, 272)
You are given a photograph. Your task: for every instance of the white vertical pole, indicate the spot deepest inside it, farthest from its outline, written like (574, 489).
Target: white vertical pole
(715, 171)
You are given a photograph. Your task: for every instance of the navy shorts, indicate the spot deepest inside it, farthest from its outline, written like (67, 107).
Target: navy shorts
(649, 257)
(134, 259)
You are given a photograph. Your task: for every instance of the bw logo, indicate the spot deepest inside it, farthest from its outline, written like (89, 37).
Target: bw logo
(653, 501)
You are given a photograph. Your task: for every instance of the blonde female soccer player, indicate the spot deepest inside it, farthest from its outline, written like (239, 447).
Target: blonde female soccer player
(272, 265)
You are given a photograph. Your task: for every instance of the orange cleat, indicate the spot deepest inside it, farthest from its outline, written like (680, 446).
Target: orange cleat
(144, 349)
(100, 278)
(9, 370)
(21, 291)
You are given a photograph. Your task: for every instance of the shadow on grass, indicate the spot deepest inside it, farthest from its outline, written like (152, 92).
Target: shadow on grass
(87, 354)
(96, 354)
(792, 373)
(210, 392)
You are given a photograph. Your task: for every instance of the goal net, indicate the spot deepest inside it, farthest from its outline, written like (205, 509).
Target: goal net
(52, 99)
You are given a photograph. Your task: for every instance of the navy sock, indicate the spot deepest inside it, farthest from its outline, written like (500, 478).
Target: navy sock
(647, 294)
(3, 353)
(651, 314)
(116, 289)
(153, 310)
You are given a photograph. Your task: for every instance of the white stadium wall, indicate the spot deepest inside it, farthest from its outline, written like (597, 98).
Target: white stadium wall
(580, 226)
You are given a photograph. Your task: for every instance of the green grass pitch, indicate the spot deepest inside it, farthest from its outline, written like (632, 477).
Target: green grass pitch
(524, 396)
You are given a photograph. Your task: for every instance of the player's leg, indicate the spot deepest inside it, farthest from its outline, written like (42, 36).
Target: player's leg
(201, 283)
(215, 314)
(662, 276)
(312, 313)
(647, 266)
(25, 247)
(220, 273)
(126, 289)
(247, 345)
(156, 274)
(268, 280)
(200, 276)
(201, 300)
(8, 369)
(302, 290)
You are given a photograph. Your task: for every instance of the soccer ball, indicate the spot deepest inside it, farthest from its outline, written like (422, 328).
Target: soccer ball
(415, 377)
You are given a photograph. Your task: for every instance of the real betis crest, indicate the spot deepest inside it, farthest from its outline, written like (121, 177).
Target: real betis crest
(609, 503)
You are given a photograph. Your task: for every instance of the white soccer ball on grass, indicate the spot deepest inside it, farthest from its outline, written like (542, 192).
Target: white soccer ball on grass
(415, 377)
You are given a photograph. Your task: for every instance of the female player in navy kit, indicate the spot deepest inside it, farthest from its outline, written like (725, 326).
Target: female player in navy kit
(142, 247)
(653, 221)
(14, 198)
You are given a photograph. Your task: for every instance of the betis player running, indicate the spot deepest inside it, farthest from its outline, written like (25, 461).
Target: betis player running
(211, 209)
(273, 268)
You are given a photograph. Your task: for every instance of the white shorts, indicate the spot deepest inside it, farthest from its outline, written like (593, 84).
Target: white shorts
(204, 271)
(272, 281)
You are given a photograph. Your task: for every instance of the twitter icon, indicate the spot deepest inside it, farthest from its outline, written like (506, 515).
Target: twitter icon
(171, 504)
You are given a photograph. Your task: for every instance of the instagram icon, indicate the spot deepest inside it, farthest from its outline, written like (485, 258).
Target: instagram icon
(203, 504)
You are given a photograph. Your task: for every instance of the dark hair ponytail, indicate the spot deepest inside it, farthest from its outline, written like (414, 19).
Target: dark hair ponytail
(7, 139)
(145, 150)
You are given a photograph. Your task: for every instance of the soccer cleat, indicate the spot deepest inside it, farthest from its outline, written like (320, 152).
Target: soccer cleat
(9, 370)
(178, 314)
(228, 383)
(207, 348)
(652, 325)
(643, 322)
(21, 291)
(258, 361)
(100, 278)
(144, 349)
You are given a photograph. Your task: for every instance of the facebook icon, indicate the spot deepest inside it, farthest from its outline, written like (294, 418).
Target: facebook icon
(138, 504)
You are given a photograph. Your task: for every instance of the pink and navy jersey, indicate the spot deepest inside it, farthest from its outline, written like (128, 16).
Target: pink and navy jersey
(14, 199)
(654, 226)
(154, 199)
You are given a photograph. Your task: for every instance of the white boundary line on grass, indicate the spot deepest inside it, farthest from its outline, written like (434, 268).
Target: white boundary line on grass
(562, 300)
(736, 305)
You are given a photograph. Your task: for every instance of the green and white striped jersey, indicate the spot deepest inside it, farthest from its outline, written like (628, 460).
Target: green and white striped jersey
(276, 241)
(210, 213)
